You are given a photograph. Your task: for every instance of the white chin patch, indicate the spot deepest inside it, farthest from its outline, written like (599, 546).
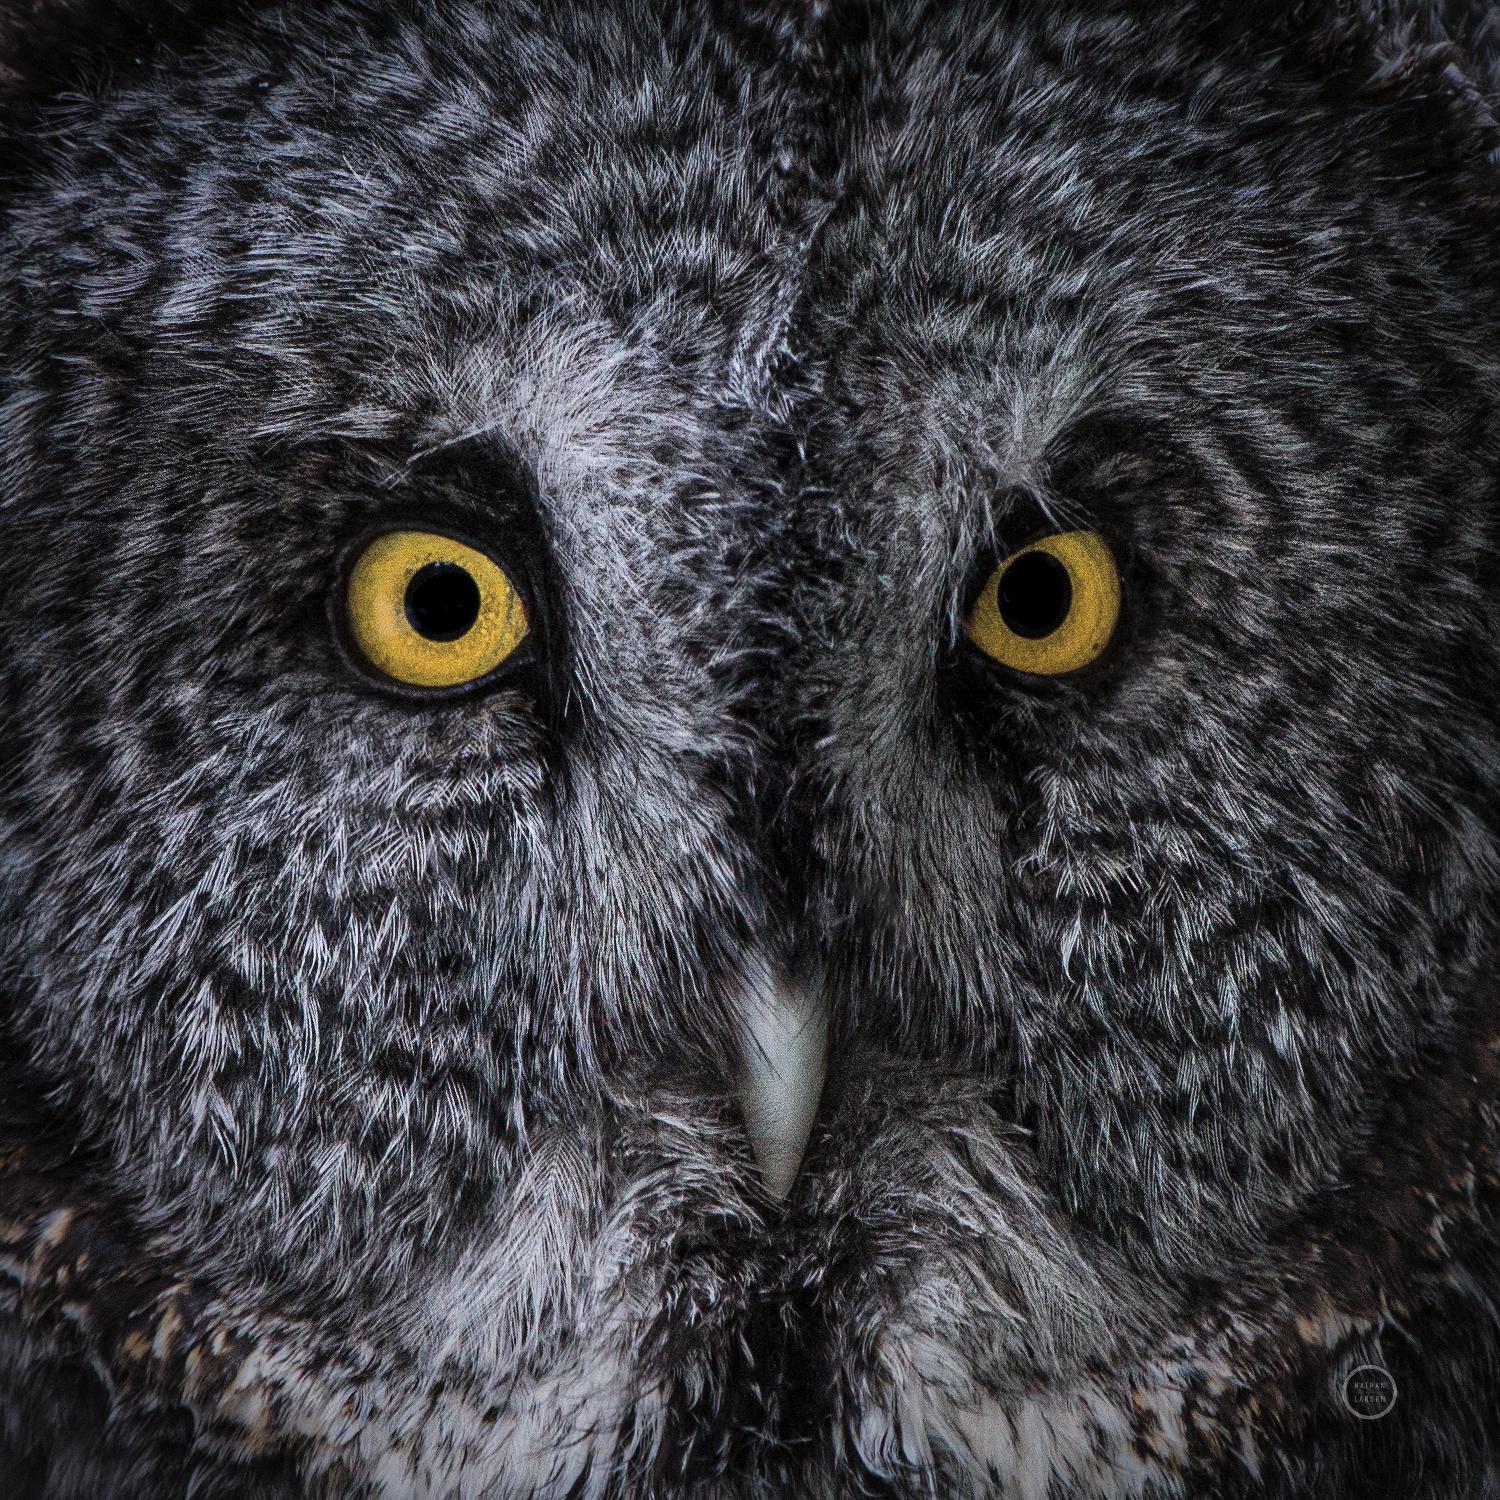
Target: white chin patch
(783, 1046)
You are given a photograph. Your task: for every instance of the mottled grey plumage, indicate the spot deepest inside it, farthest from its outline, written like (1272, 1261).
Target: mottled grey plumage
(374, 1107)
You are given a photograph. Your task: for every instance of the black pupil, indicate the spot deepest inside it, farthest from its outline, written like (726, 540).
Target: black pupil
(1035, 595)
(442, 601)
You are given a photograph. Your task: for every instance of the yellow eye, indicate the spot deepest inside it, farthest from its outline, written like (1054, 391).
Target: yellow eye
(1051, 607)
(430, 612)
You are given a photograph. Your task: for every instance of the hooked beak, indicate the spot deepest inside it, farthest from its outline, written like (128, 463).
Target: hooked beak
(783, 1053)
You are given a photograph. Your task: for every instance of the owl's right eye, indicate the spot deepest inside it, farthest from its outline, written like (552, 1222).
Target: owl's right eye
(1050, 608)
(428, 611)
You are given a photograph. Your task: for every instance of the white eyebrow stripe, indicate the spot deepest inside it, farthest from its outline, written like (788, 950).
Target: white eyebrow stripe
(783, 1057)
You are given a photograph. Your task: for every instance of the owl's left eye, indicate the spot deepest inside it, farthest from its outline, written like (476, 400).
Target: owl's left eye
(429, 611)
(1049, 608)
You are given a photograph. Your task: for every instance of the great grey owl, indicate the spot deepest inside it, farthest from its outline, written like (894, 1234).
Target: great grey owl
(750, 750)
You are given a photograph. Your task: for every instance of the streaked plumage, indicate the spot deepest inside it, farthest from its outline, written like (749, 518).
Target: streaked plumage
(403, 1094)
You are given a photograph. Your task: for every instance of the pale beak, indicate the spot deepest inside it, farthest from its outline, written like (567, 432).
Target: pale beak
(783, 1054)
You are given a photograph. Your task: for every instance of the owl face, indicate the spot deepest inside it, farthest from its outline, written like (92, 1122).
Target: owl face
(367, 930)
(1237, 864)
(600, 597)
(1128, 964)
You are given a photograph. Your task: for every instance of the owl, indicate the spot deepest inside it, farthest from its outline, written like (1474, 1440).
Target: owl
(750, 750)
